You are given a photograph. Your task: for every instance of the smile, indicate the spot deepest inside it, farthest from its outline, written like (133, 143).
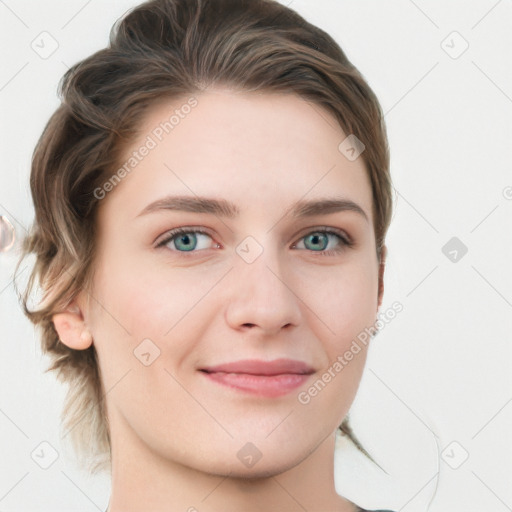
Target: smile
(261, 378)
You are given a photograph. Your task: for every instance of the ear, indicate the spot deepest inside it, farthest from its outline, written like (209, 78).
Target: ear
(71, 328)
(382, 266)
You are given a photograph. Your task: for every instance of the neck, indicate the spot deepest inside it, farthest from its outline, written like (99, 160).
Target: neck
(143, 480)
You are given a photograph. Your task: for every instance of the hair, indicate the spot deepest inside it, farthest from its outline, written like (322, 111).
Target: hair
(165, 49)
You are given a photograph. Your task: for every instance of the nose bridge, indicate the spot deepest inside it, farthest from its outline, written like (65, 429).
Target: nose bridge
(261, 294)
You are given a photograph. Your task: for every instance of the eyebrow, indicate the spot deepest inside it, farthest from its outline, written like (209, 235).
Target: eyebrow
(223, 208)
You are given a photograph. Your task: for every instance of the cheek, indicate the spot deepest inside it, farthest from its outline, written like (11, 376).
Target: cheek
(123, 314)
(346, 308)
(343, 298)
(137, 302)
(133, 296)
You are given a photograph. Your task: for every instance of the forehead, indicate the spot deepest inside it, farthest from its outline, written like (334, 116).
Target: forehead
(266, 148)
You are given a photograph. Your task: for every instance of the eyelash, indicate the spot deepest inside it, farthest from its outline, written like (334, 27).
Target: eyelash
(346, 242)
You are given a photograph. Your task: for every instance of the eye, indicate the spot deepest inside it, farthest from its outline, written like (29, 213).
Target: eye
(319, 239)
(189, 239)
(185, 239)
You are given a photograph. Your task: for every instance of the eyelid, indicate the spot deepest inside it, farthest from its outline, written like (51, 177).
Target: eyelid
(327, 229)
(168, 235)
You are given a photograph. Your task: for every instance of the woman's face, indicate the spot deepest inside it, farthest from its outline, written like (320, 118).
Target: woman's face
(260, 283)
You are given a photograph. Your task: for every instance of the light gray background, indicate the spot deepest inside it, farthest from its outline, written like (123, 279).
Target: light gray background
(438, 385)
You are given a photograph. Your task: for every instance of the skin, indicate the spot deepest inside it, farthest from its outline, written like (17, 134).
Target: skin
(175, 433)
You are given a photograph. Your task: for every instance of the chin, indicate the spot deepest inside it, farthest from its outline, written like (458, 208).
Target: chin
(254, 473)
(270, 467)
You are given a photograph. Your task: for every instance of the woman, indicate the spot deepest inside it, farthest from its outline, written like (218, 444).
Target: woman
(211, 198)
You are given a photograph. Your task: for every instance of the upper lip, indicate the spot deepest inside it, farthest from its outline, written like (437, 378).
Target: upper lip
(260, 367)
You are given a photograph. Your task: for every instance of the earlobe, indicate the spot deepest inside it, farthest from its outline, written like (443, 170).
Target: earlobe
(71, 329)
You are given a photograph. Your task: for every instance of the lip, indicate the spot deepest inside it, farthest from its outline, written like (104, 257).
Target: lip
(262, 378)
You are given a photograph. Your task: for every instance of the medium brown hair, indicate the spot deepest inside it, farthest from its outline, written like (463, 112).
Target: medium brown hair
(167, 49)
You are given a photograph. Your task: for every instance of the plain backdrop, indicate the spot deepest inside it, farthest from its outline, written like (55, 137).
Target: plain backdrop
(435, 404)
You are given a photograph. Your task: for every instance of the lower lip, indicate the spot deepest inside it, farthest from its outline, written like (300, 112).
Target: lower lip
(261, 385)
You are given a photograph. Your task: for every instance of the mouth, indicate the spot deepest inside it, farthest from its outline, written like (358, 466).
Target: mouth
(261, 378)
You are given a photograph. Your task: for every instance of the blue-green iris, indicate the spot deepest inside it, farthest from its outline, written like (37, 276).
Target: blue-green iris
(186, 238)
(314, 238)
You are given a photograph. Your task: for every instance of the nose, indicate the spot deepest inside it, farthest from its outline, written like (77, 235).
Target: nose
(262, 296)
